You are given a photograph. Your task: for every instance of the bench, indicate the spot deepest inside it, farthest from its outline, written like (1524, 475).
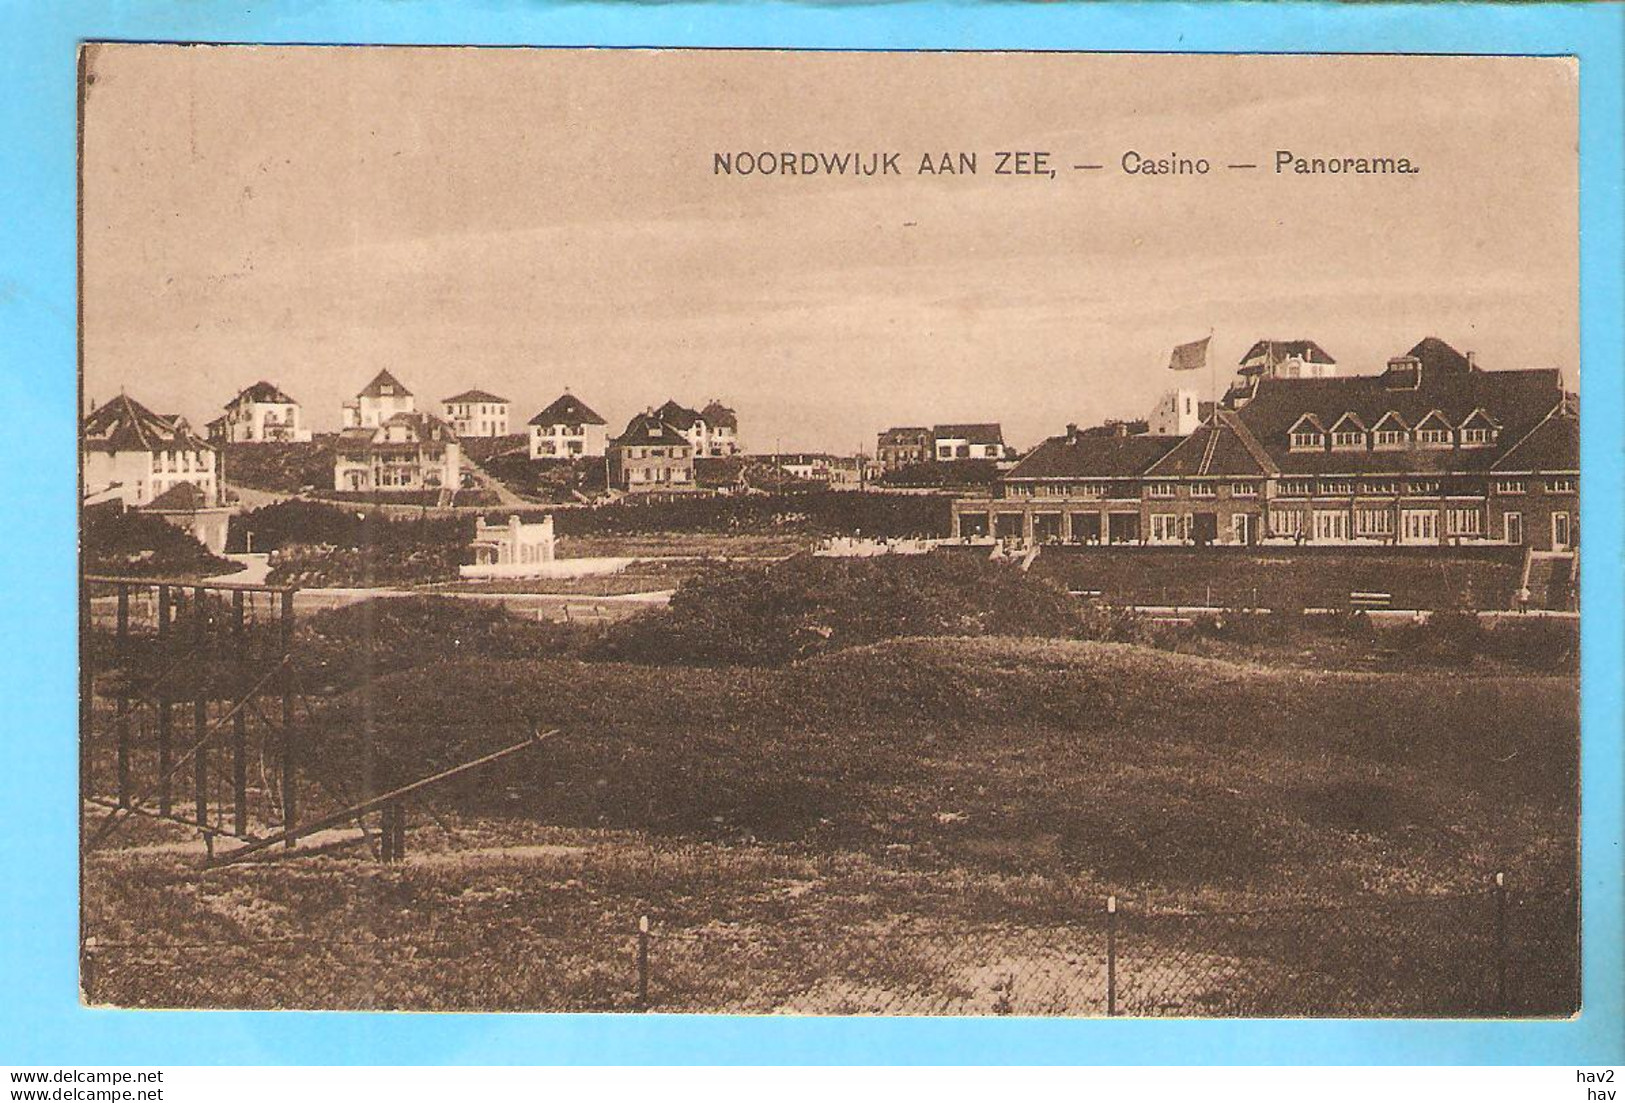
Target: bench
(1367, 599)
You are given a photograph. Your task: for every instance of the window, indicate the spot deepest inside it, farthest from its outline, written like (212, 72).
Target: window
(1337, 488)
(1307, 440)
(1286, 522)
(1377, 486)
(1389, 438)
(1204, 490)
(1244, 490)
(1476, 437)
(1509, 486)
(1373, 521)
(1331, 526)
(1422, 486)
(1560, 486)
(1464, 521)
(1159, 490)
(1089, 490)
(1433, 438)
(1164, 528)
(1348, 439)
(1297, 488)
(1514, 528)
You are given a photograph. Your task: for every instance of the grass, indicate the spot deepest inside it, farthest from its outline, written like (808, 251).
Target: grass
(913, 826)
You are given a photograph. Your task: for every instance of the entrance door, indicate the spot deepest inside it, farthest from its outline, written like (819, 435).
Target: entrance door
(1204, 529)
(1514, 528)
(1562, 537)
(1418, 526)
(1243, 529)
(1331, 526)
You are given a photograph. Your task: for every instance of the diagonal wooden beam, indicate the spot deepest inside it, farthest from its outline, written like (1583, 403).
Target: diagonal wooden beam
(372, 803)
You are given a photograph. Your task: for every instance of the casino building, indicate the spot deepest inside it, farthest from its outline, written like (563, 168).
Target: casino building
(1432, 450)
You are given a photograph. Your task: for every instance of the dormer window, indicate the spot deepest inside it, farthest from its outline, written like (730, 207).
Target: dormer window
(1348, 435)
(1391, 433)
(1434, 431)
(1479, 430)
(1307, 435)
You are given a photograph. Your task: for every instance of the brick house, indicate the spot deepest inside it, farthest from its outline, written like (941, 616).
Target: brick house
(711, 432)
(1432, 450)
(650, 456)
(903, 446)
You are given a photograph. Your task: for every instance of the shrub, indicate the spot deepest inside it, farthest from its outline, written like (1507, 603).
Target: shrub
(1541, 643)
(294, 522)
(752, 615)
(1449, 636)
(139, 544)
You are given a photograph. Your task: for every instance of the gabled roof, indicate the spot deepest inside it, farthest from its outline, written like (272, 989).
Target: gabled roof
(261, 392)
(1276, 351)
(1223, 446)
(1349, 415)
(1311, 419)
(677, 415)
(567, 409)
(1437, 357)
(645, 429)
(1435, 415)
(383, 379)
(475, 396)
(716, 414)
(905, 434)
(1091, 456)
(1517, 400)
(1552, 445)
(1391, 415)
(1483, 415)
(124, 425)
(988, 432)
(423, 427)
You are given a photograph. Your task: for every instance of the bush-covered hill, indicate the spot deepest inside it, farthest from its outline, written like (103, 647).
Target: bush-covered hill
(139, 544)
(1139, 766)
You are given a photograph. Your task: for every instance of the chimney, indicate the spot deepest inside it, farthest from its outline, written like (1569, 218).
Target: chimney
(1072, 432)
(1472, 360)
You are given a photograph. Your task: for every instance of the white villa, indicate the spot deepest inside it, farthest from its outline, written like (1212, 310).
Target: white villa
(263, 412)
(407, 452)
(477, 413)
(567, 428)
(134, 455)
(377, 402)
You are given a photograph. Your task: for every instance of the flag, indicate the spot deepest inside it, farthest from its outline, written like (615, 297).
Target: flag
(1189, 357)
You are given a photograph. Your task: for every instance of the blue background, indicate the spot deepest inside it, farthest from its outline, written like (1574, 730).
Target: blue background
(41, 1020)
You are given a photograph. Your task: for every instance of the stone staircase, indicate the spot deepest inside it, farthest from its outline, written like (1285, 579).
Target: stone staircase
(1552, 580)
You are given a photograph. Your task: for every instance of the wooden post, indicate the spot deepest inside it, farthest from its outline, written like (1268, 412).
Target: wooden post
(200, 709)
(643, 963)
(166, 709)
(123, 722)
(290, 751)
(400, 830)
(1111, 955)
(1501, 944)
(239, 722)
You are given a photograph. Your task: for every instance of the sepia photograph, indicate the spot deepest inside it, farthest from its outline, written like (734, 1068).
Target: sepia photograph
(789, 532)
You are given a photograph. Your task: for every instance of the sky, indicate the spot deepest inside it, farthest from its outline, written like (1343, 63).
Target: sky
(526, 221)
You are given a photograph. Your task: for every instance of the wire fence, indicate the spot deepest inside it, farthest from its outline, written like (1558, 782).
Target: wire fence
(1493, 953)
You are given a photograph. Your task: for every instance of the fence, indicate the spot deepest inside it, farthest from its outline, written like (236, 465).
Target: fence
(1494, 953)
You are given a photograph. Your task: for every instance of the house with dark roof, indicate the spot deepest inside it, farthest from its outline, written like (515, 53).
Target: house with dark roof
(260, 413)
(903, 446)
(408, 451)
(976, 441)
(132, 455)
(377, 402)
(713, 431)
(1433, 450)
(652, 456)
(567, 428)
(476, 413)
